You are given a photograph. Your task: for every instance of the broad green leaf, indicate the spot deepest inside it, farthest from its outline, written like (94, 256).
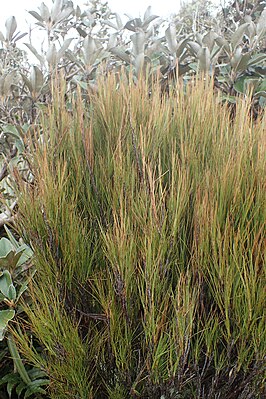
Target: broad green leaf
(262, 86)
(237, 36)
(209, 40)
(22, 289)
(10, 260)
(245, 83)
(51, 54)
(147, 13)
(20, 388)
(56, 9)
(222, 43)
(236, 57)
(195, 47)
(181, 47)
(112, 41)
(10, 386)
(36, 79)
(5, 317)
(11, 26)
(148, 21)
(5, 247)
(26, 254)
(89, 48)
(64, 47)
(81, 32)
(36, 373)
(170, 35)
(251, 31)
(242, 63)
(139, 63)
(199, 38)
(204, 58)
(6, 82)
(261, 24)
(138, 40)
(120, 52)
(257, 59)
(12, 131)
(35, 52)
(133, 24)
(230, 99)
(36, 15)
(239, 85)
(109, 23)
(8, 377)
(119, 22)
(12, 293)
(44, 11)
(260, 94)
(6, 285)
(34, 390)
(64, 14)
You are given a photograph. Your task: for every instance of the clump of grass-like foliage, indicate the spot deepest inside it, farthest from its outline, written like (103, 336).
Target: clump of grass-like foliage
(147, 219)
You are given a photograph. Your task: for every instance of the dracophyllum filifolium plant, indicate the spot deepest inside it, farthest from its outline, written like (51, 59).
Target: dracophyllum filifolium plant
(147, 220)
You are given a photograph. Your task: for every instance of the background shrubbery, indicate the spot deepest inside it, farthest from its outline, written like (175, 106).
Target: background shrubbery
(147, 216)
(228, 43)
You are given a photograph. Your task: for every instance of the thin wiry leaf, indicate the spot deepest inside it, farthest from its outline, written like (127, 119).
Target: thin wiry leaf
(19, 36)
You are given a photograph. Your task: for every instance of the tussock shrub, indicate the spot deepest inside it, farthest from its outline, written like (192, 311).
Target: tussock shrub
(147, 219)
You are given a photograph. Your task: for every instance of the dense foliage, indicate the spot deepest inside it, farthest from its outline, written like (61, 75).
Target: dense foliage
(147, 220)
(152, 243)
